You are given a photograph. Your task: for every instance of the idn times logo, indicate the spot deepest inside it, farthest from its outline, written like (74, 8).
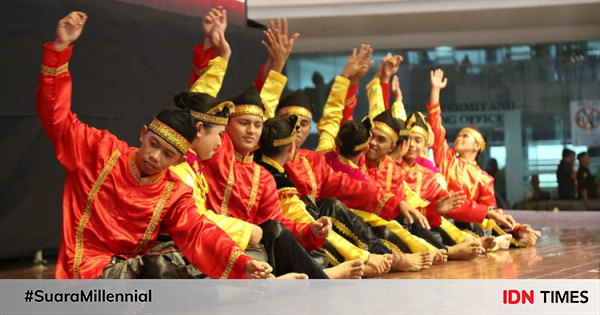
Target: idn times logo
(549, 297)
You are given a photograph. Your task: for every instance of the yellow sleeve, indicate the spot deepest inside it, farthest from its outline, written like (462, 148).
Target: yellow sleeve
(295, 210)
(398, 110)
(211, 81)
(413, 199)
(375, 95)
(238, 230)
(271, 92)
(329, 125)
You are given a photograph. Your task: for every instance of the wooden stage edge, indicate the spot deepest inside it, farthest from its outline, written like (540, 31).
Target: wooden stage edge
(568, 249)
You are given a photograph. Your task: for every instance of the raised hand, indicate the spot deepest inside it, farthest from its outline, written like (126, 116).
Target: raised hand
(396, 89)
(390, 67)
(215, 16)
(255, 269)
(278, 54)
(280, 27)
(69, 29)
(450, 202)
(219, 41)
(321, 227)
(358, 64)
(288, 42)
(437, 79)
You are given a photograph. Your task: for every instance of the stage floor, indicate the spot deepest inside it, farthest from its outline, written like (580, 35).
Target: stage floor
(568, 249)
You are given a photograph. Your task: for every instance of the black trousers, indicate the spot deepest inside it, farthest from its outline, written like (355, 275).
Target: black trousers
(417, 229)
(285, 254)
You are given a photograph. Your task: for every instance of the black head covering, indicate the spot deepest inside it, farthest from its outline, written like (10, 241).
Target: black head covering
(297, 103)
(205, 107)
(248, 102)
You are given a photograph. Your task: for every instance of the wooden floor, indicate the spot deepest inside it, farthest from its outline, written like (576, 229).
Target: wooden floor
(568, 252)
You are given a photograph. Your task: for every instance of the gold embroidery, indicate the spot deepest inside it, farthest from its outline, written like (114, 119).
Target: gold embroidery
(435, 110)
(232, 260)
(227, 194)
(363, 146)
(273, 163)
(255, 182)
(386, 129)
(136, 174)
(300, 230)
(55, 71)
(311, 177)
(347, 161)
(332, 260)
(391, 246)
(287, 192)
(170, 135)
(382, 202)
(88, 210)
(210, 118)
(295, 110)
(155, 217)
(345, 230)
(241, 158)
(248, 109)
(477, 135)
(390, 175)
(200, 72)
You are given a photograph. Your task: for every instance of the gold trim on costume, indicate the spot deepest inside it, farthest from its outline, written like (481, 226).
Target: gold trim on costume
(477, 135)
(347, 161)
(88, 210)
(155, 217)
(389, 176)
(199, 72)
(285, 141)
(363, 146)
(391, 246)
(300, 230)
(170, 135)
(210, 118)
(420, 131)
(295, 110)
(241, 158)
(136, 174)
(386, 129)
(311, 177)
(248, 109)
(255, 182)
(287, 192)
(332, 260)
(435, 110)
(385, 198)
(273, 163)
(232, 260)
(345, 230)
(227, 194)
(55, 71)
(404, 132)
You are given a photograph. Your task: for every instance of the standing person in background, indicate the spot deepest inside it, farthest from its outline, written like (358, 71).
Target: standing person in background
(586, 182)
(538, 194)
(565, 175)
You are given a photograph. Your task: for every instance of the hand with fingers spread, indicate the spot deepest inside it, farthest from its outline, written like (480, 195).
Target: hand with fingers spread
(359, 63)
(450, 202)
(280, 26)
(438, 82)
(321, 228)
(255, 269)
(69, 29)
(396, 90)
(216, 16)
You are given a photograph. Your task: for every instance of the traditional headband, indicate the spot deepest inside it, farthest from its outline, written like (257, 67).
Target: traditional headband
(295, 110)
(386, 129)
(477, 135)
(288, 140)
(248, 109)
(170, 135)
(362, 146)
(210, 117)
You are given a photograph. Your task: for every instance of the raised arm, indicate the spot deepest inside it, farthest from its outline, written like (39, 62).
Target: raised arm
(209, 69)
(442, 153)
(329, 124)
(398, 109)
(273, 63)
(279, 48)
(73, 140)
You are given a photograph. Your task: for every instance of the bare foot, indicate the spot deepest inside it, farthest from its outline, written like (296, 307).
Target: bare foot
(412, 262)
(488, 242)
(468, 249)
(378, 265)
(235, 295)
(503, 241)
(352, 269)
(293, 275)
(440, 257)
